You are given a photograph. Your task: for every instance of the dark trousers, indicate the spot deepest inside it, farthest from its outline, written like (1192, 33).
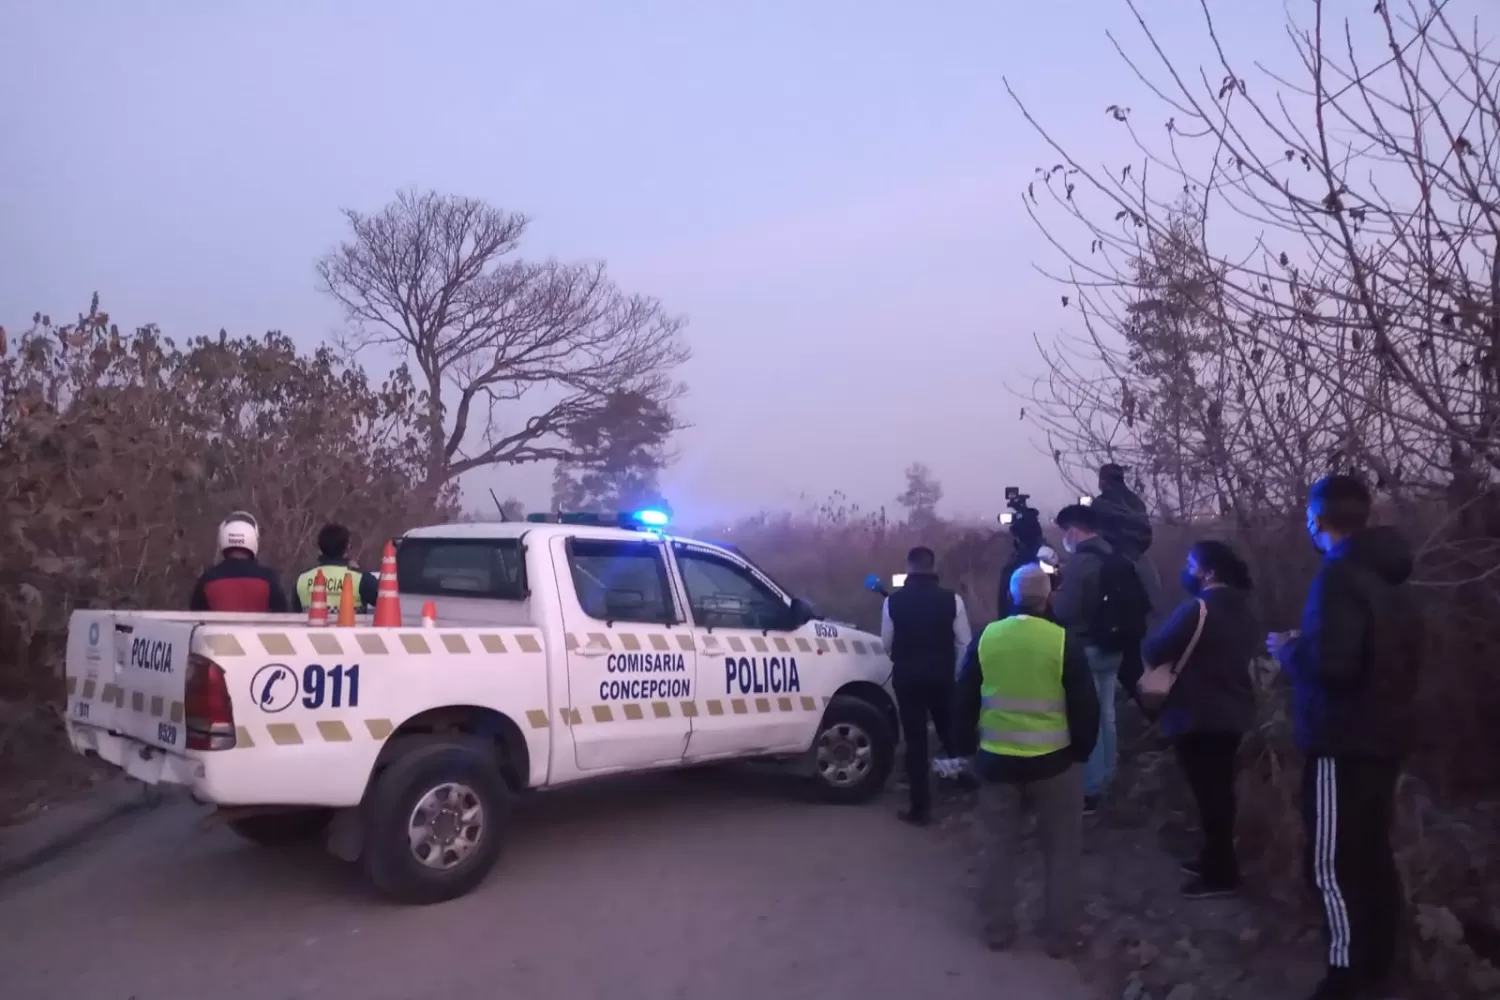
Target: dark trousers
(923, 695)
(1349, 805)
(1207, 760)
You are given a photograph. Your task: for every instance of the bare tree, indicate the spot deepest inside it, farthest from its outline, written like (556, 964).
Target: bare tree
(1356, 325)
(434, 277)
(1296, 274)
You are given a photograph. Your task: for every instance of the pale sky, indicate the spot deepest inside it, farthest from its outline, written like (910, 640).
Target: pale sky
(829, 191)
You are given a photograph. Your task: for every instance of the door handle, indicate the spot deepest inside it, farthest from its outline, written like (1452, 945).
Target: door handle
(591, 654)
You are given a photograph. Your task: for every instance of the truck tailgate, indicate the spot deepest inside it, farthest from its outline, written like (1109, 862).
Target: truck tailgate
(126, 679)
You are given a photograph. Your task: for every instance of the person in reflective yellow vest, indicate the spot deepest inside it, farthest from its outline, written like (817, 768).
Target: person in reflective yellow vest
(333, 560)
(1026, 698)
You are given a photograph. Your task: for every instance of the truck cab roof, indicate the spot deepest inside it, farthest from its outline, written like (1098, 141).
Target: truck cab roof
(545, 530)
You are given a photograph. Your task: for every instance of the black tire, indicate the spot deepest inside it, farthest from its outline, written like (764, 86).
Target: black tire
(278, 829)
(390, 861)
(855, 725)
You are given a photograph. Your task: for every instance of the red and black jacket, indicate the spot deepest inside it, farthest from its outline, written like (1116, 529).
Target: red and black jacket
(238, 585)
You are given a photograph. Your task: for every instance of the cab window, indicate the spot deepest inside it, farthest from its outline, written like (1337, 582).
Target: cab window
(723, 594)
(621, 581)
(462, 567)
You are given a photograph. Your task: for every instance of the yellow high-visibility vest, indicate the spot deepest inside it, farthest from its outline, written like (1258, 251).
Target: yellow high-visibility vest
(333, 575)
(1024, 712)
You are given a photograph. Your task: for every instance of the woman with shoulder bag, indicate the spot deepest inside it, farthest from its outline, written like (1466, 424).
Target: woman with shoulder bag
(1198, 676)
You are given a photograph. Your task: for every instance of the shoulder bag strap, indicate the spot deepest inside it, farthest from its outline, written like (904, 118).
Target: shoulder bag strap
(1187, 654)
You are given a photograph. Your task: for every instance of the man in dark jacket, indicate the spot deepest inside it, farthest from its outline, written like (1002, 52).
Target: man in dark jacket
(1101, 603)
(1026, 693)
(1122, 514)
(1354, 667)
(1125, 525)
(925, 629)
(238, 582)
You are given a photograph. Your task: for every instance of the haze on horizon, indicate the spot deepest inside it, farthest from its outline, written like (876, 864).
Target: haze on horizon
(830, 193)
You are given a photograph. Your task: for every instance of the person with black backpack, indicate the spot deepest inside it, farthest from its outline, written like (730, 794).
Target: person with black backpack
(1102, 603)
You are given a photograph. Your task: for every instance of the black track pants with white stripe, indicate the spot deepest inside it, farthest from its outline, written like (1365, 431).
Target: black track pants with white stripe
(1348, 804)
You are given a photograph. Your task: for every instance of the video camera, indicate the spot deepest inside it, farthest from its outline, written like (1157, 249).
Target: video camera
(1025, 524)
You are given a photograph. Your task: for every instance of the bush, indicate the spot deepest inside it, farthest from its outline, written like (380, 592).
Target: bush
(120, 453)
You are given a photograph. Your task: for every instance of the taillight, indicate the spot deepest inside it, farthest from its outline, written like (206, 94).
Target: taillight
(208, 710)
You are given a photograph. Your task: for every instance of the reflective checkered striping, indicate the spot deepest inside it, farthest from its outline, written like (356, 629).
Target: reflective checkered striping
(364, 643)
(469, 642)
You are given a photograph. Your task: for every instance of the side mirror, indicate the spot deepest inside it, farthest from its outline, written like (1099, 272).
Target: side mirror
(872, 584)
(802, 612)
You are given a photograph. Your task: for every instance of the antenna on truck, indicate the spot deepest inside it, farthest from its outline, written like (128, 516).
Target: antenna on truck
(498, 505)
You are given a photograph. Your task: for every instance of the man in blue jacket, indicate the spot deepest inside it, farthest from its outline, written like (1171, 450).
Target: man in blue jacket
(1354, 668)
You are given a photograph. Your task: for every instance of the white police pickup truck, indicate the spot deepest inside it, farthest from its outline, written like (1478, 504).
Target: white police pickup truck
(564, 651)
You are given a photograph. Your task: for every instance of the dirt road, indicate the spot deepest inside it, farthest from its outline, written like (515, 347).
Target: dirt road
(718, 885)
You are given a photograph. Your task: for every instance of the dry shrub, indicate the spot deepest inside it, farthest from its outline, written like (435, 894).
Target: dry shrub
(825, 551)
(120, 453)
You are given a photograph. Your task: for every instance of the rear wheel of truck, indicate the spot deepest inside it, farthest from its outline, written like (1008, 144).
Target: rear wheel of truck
(854, 751)
(433, 821)
(281, 828)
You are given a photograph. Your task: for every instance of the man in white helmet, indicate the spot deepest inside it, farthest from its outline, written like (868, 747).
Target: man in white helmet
(238, 582)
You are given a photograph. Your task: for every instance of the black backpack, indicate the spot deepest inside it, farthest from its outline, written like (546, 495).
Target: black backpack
(1120, 620)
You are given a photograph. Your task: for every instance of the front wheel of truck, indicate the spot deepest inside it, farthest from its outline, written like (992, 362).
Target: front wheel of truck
(434, 820)
(854, 751)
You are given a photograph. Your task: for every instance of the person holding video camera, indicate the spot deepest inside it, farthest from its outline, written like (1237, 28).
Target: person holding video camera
(1102, 603)
(1024, 522)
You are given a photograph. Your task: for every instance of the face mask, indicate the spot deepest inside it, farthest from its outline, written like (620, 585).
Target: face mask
(1314, 535)
(1069, 546)
(1191, 583)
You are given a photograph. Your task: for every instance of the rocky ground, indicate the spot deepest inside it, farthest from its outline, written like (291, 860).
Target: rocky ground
(1145, 942)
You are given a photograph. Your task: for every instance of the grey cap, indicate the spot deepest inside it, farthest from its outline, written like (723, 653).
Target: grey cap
(1030, 585)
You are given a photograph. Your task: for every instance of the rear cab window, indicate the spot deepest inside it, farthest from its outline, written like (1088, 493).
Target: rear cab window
(484, 568)
(622, 581)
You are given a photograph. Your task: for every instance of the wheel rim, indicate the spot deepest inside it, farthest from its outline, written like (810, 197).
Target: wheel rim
(845, 754)
(446, 826)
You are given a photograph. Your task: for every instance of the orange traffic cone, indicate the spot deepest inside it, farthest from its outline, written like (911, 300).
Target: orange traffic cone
(388, 598)
(317, 608)
(429, 615)
(346, 602)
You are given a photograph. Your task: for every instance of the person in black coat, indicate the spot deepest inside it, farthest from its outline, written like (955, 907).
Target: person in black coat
(924, 628)
(1212, 704)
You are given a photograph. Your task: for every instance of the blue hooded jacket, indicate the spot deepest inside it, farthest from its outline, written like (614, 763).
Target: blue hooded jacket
(1354, 669)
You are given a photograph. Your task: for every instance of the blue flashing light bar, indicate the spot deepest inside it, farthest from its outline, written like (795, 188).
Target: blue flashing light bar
(650, 519)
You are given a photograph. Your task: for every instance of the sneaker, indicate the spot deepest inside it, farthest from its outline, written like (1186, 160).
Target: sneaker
(1200, 888)
(1090, 804)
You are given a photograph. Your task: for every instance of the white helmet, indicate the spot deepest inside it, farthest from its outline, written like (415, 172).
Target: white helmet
(239, 531)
